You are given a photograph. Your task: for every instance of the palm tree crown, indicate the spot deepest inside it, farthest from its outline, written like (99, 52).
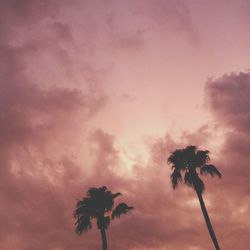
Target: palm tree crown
(190, 162)
(98, 204)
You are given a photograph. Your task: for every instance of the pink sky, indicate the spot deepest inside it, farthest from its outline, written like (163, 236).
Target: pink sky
(99, 92)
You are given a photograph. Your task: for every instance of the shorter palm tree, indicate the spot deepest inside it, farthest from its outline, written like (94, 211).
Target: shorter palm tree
(98, 204)
(190, 163)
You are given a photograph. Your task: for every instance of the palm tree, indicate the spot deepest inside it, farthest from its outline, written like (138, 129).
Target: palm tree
(190, 162)
(98, 204)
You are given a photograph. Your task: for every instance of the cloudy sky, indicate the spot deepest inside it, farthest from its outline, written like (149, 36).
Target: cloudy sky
(99, 92)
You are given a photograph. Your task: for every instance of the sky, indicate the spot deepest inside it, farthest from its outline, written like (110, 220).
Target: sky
(100, 92)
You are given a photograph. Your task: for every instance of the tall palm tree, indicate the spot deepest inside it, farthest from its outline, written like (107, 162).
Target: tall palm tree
(98, 204)
(190, 163)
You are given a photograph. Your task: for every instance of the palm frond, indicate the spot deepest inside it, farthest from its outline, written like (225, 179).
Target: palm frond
(210, 169)
(116, 195)
(202, 157)
(188, 179)
(92, 191)
(193, 180)
(189, 155)
(83, 224)
(99, 199)
(120, 209)
(81, 207)
(175, 158)
(176, 178)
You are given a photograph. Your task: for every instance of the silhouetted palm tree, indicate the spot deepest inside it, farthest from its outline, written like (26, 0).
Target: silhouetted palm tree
(190, 162)
(98, 204)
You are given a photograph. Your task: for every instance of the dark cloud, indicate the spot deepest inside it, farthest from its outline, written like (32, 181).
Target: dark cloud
(229, 102)
(228, 99)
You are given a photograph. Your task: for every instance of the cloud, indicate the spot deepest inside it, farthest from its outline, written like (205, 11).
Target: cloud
(40, 189)
(37, 170)
(228, 100)
(37, 125)
(50, 154)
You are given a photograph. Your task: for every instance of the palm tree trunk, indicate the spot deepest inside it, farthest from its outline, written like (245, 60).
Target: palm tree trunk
(208, 222)
(104, 239)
